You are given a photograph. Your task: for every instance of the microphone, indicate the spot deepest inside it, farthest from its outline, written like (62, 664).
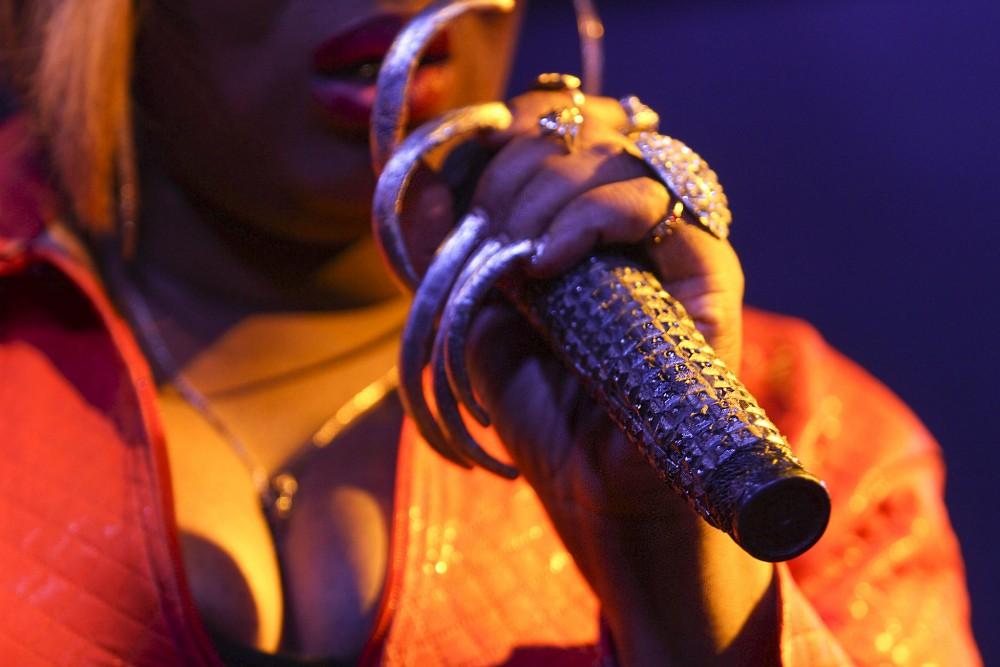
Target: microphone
(642, 358)
(609, 319)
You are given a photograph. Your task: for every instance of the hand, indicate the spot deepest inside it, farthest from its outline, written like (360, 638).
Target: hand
(670, 585)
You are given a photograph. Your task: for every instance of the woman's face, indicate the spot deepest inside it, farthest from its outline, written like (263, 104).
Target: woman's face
(258, 108)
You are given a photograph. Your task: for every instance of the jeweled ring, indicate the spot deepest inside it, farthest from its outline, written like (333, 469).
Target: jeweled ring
(641, 118)
(689, 180)
(564, 82)
(665, 227)
(562, 123)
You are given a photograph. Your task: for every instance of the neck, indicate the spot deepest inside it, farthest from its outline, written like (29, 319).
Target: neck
(236, 266)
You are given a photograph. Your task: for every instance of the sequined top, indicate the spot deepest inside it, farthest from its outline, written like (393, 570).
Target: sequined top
(90, 569)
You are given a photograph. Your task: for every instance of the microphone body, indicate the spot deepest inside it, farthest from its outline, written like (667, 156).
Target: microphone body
(642, 358)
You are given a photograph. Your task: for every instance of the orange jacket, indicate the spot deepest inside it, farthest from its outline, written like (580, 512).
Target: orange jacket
(90, 568)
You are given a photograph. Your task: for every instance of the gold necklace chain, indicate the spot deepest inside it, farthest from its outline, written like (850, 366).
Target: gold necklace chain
(275, 491)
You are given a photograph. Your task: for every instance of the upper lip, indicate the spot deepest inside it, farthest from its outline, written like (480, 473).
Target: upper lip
(366, 43)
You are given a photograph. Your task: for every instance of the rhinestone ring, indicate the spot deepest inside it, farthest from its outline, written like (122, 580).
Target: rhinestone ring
(694, 188)
(665, 227)
(689, 180)
(562, 123)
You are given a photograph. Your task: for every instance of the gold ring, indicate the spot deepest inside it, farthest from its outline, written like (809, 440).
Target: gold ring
(562, 82)
(641, 118)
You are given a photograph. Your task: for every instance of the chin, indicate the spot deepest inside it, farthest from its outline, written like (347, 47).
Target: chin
(333, 235)
(317, 217)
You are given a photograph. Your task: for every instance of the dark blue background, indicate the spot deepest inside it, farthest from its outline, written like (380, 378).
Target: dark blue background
(858, 143)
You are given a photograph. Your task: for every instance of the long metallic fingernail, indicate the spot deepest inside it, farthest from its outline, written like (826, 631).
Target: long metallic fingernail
(541, 243)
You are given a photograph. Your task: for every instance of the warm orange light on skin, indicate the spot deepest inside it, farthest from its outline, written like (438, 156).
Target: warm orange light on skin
(231, 523)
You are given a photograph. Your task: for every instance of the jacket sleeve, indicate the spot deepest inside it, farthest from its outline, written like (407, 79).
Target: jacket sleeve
(886, 584)
(890, 588)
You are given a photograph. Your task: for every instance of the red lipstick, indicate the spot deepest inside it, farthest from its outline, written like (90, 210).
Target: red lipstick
(345, 68)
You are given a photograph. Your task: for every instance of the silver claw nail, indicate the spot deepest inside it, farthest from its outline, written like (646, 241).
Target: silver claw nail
(459, 313)
(390, 191)
(418, 334)
(450, 371)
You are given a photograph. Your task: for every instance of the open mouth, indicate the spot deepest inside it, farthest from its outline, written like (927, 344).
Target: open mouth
(345, 69)
(365, 72)
(356, 55)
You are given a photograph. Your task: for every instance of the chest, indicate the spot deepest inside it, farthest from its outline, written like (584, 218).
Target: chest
(310, 582)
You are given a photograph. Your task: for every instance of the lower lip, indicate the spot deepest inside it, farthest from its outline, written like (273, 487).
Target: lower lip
(348, 105)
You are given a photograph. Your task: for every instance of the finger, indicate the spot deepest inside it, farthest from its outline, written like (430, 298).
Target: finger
(426, 217)
(621, 212)
(520, 158)
(704, 274)
(563, 179)
(509, 170)
(526, 109)
(691, 252)
(505, 356)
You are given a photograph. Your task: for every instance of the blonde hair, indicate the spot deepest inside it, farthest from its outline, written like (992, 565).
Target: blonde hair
(70, 65)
